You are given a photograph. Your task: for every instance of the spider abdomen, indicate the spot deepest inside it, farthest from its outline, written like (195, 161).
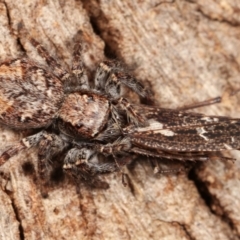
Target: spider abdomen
(30, 96)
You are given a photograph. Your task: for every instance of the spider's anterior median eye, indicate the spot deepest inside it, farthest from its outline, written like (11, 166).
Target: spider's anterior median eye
(118, 89)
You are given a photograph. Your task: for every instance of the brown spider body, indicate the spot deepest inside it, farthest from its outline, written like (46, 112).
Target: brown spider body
(83, 114)
(30, 96)
(68, 113)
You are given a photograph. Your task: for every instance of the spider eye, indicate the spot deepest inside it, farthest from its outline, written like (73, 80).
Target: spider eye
(118, 89)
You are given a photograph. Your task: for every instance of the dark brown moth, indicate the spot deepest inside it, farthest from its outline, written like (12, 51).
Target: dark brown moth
(84, 121)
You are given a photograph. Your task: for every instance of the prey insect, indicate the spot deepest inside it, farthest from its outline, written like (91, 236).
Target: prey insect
(81, 120)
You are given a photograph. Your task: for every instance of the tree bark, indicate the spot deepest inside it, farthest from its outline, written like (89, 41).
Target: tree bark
(189, 52)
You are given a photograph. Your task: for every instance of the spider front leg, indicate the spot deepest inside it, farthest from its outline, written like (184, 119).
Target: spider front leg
(112, 88)
(110, 76)
(132, 115)
(108, 80)
(116, 79)
(118, 148)
(103, 72)
(79, 166)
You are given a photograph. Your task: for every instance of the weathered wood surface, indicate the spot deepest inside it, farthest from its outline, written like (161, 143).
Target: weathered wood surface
(188, 51)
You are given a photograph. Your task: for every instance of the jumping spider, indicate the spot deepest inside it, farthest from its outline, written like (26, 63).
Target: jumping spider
(69, 114)
(85, 120)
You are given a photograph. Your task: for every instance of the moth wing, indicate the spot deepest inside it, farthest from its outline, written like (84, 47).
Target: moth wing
(172, 130)
(171, 118)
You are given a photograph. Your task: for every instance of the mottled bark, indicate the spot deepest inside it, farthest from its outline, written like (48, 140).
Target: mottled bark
(188, 51)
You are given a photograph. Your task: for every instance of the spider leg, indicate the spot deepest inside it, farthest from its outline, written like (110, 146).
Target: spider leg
(49, 146)
(119, 147)
(116, 79)
(110, 75)
(103, 72)
(58, 70)
(112, 131)
(78, 79)
(78, 166)
(78, 68)
(132, 115)
(109, 78)
(77, 162)
(25, 143)
(80, 159)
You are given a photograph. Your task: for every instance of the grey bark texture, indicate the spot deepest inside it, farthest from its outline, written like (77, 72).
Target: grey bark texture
(189, 52)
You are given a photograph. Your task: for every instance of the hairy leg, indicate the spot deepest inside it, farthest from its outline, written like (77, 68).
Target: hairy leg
(79, 74)
(58, 70)
(25, 143)
(48, 147)
(116, 79)
(77, 164)
(103, 72)
(132, 115)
